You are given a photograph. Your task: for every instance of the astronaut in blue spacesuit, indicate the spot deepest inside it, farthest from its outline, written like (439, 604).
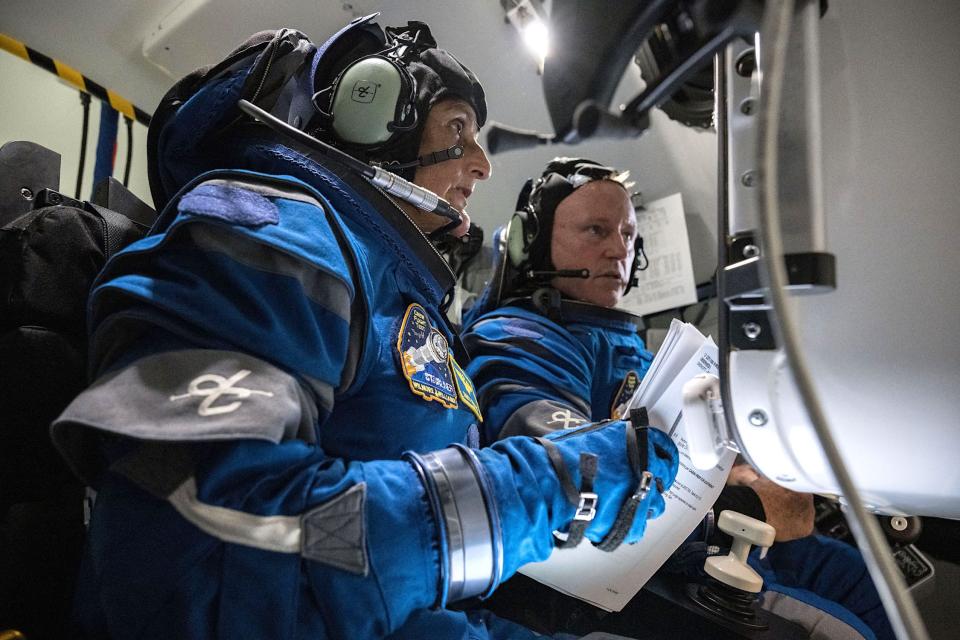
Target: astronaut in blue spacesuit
(279, 430)
(550, 351)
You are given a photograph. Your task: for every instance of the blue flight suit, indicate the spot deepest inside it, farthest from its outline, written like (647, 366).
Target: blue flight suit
(250, 293)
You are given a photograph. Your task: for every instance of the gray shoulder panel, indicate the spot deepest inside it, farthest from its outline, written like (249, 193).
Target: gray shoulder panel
(186, 396)
(542, 417)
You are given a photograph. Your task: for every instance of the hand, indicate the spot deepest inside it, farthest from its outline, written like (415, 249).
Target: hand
(629, 492)
(789, 512)
(742, 475)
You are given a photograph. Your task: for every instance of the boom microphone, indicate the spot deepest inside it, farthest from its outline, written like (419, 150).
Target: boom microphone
(560, 273)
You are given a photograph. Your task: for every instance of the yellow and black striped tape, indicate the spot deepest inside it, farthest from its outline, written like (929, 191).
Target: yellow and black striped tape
(75, 78)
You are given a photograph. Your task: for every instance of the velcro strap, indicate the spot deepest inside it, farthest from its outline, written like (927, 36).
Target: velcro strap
(637, 449)
(563, 474)
(585, 500)
(587, 505)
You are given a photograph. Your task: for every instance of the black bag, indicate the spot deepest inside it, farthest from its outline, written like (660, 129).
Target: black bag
(49, 257)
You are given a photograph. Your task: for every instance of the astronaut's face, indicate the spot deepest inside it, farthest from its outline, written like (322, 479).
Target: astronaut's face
(449, 122)
(595, 228)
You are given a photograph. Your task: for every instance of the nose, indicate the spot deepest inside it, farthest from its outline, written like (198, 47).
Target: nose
(477, 161)
(618, 248)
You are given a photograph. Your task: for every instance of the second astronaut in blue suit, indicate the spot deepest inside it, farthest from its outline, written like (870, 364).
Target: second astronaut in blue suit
(550, 351)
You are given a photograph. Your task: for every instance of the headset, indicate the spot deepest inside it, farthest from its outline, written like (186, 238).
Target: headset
(527, 244)
(373, 101)
(523, 229)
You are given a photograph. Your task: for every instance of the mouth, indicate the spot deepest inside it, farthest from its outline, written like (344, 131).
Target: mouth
(611, 276)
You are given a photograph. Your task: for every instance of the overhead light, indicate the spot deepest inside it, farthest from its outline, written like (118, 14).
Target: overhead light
(527, 17)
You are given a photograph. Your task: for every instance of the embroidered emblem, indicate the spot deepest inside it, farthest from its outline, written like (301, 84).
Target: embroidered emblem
(620, 401)
(566, 419)
(425, 358)
(465, 389)
(200, 388)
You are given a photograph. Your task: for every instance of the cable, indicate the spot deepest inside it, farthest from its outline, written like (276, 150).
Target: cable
(85, 101)
(899, 606)
(393, 184)
(106, 155)
(126, 163)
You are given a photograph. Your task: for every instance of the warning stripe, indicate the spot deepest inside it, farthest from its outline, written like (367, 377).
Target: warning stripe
(75, 78)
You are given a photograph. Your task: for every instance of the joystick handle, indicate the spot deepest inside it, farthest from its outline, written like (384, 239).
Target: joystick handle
(732, 569)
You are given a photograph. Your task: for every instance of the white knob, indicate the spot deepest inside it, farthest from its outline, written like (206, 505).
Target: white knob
(732, 569)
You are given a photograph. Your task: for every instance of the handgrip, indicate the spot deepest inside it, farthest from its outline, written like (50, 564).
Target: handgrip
(502, 138)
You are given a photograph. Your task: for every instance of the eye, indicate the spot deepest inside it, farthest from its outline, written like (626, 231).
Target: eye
(458, 126)
(596, 230)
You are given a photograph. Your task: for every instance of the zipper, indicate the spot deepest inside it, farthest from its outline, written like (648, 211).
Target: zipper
(263, 77)
(419, 230)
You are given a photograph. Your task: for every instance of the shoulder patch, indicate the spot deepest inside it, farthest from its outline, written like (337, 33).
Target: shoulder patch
(230, 203)
(425, 358)
(466, 390)
(627, 388)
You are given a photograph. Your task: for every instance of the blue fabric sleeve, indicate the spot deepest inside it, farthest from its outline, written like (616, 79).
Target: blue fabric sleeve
(519, 360)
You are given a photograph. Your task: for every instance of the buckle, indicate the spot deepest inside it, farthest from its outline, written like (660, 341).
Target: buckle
(587, 508)
(644, 487)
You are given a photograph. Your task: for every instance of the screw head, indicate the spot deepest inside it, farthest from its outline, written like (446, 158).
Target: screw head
(746, 63)
(757, 418)
(55, 198)
(898, 523)
(751, 251)
(26, 194)
(749, 178)
(748, 106)
(752, 330)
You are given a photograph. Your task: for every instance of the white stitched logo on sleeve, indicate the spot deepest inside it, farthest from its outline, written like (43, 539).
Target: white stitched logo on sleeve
(211, 386)
(567, 419)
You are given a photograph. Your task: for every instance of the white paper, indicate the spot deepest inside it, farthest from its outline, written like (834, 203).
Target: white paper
(681, 342)
(610, 580)
(669, 281)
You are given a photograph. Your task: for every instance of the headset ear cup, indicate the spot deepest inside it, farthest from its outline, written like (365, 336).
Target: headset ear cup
(517, 248)
(371, 100)
(635, 268)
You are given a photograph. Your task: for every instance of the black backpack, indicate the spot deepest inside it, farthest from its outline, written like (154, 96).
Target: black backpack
(51, 249)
